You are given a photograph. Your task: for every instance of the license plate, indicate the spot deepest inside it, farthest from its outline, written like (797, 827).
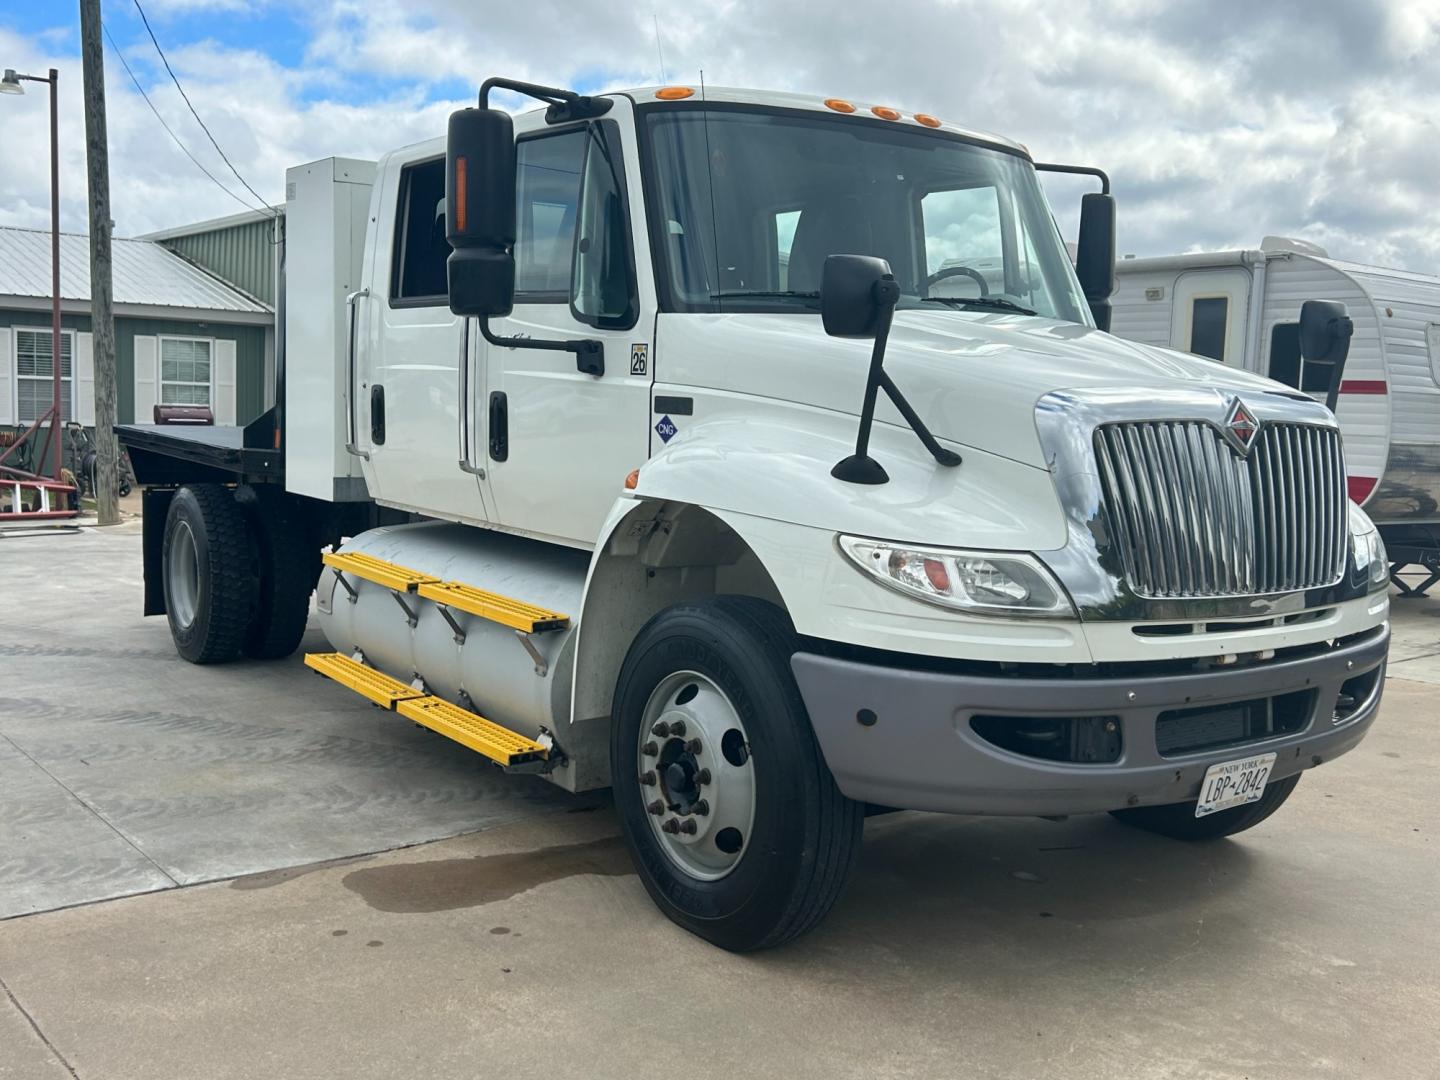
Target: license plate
(1233, 783)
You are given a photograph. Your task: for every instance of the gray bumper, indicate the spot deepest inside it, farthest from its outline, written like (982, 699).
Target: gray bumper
(921, 753)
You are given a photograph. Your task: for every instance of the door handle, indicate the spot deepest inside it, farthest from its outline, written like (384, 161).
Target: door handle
(377, 414)
(499, 427)
(464, 410)
(351, 303)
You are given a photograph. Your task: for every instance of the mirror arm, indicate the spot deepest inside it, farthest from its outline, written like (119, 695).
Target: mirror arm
(1078, 170)
(860, 467)
(564, 105)
(589, 354)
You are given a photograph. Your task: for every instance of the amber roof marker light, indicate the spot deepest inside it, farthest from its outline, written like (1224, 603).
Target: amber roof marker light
(674, 93)
(839, 105)
(926, 119)
(884, 112)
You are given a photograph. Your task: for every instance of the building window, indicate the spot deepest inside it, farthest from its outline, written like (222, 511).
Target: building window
(1208, 319)
(35, 374)
(421, 249)
(185, 371)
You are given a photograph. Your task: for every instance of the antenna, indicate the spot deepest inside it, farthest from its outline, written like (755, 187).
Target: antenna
(664, 78)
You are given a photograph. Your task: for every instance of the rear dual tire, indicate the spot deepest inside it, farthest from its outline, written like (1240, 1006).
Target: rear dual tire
(238, 568)
(770, 854)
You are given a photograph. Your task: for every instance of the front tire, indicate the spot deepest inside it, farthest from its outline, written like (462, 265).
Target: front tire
(209, 586)
(1178, 820)
(734, 822)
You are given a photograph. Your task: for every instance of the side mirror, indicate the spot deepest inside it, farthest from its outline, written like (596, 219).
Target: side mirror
(480, 212)
(1325, 332)
(1095, 254)
(856, 294)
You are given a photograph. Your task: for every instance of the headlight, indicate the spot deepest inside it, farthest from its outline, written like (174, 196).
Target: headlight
(979, 582)
(1368, 550)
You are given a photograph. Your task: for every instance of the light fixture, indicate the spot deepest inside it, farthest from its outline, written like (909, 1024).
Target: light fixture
(10, 84)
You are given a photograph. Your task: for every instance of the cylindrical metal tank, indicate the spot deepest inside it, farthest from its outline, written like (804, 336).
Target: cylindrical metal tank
(492, 666)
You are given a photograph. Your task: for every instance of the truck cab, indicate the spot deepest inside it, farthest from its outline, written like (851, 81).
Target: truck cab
(766, 459)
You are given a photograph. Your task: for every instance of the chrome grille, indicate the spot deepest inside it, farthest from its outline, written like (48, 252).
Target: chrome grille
(1189, 518)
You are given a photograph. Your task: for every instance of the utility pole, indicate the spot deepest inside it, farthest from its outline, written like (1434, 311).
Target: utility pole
(102, 314)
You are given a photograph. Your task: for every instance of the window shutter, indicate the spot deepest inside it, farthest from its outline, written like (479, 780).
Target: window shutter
(7, 384)
(225, 382)
(82, 387)
(145, 384)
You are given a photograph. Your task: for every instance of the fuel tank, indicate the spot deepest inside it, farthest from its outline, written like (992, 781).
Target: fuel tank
(491, 667)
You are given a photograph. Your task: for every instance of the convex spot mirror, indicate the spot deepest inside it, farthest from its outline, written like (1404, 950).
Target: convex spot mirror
(480, 212)
(855, 291)
(1324, 327)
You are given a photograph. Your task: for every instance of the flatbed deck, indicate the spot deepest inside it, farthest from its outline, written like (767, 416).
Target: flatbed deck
(164, 455)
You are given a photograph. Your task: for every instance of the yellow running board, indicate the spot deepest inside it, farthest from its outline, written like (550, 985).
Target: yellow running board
(499, 744)
(527, 618)
(399, 578)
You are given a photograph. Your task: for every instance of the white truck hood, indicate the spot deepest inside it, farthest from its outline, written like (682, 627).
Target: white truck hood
(973, 377)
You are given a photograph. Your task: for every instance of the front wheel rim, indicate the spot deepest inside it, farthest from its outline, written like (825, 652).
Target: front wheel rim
(696, 776)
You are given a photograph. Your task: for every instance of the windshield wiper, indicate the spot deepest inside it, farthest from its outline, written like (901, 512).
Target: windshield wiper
(996, 303)
(764, 294)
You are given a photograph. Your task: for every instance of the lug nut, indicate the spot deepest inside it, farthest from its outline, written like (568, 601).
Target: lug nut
(693, 746)
(662, 729)
(678, 729)
(670, 826)
(648, 778)
(702, 777)
(649, 749)
(688, 827)
(701, 807)
(657, 808)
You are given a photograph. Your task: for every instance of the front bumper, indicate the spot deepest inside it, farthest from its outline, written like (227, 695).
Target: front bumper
(920, 752)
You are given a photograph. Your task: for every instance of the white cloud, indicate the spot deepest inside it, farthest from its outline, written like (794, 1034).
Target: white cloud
(1219, 122)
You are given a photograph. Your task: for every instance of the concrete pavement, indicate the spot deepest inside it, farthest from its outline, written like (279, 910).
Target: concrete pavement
(964, 947)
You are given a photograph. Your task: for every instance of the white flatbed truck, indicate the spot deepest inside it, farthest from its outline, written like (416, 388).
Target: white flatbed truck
(596, 447)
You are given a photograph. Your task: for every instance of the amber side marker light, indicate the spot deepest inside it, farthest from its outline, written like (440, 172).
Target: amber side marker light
(633, 480)
(884, 112)
(926, 119)
(674, 93)
(461, 195)
(839, 105)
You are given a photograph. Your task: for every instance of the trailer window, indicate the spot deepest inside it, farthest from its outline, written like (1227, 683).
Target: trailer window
(1287, 367)
(421, 249)
(1209, 316)
(548, 195)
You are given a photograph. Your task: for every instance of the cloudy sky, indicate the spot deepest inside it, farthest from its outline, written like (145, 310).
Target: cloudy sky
(1219, 120)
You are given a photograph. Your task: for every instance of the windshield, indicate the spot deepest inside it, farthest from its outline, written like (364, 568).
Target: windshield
(751, 202)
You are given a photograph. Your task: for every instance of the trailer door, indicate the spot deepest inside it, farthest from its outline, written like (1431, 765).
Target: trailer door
(1209, 314)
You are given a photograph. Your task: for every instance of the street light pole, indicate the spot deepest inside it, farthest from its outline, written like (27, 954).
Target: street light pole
(11, 85)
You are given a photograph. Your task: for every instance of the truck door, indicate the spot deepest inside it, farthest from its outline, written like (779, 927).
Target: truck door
(558, 442)
(1209, 315)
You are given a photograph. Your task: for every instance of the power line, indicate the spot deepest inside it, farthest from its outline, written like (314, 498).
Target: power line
(191, 107)
(121, 56)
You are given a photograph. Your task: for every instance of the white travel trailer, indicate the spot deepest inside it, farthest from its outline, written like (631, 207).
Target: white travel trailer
(1242, 308)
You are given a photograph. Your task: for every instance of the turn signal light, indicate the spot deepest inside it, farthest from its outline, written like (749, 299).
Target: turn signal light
(461, 188)
(633, 480)
(839, 105)
(926, 119)
(674, 93)
(884, 112)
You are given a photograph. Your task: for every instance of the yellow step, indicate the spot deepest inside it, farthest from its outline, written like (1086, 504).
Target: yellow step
(388, 574)
(497, 743)
(365, 681)
(493, 606)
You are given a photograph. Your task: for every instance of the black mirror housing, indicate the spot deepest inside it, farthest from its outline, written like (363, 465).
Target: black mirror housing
(1324, 326)
(855, 291)
(480, 212)
(1095, 254)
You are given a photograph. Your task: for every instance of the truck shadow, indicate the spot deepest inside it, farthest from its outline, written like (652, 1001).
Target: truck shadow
(1034, 895)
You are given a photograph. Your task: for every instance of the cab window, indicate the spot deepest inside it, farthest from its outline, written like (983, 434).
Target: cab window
(418, 269)
(547, 203)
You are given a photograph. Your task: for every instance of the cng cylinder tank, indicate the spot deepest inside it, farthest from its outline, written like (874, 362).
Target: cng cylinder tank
(491, 667)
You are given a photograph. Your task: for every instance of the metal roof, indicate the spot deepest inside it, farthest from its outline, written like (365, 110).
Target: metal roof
(144, 273)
